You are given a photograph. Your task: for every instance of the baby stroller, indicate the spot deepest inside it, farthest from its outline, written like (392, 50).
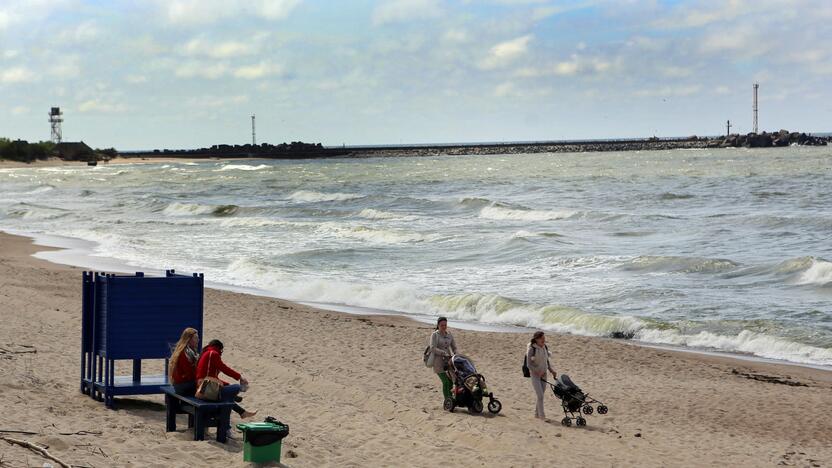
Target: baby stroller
(469, 387)
(574, 400)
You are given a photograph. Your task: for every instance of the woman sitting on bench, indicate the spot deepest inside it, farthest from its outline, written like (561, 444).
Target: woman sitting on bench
(210, 365)
(182, 371)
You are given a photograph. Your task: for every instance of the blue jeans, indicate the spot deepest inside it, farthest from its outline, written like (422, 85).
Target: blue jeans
(228, 393)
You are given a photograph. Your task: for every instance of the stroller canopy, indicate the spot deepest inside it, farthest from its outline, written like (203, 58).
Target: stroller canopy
(463, 365)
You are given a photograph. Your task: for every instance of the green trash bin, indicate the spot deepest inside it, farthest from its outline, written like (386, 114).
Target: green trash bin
(262, 441)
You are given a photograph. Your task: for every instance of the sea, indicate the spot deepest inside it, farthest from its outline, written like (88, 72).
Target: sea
(725, 250)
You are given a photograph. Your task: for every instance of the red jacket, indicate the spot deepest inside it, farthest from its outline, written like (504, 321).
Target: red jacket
(183, 369)
(210, 365)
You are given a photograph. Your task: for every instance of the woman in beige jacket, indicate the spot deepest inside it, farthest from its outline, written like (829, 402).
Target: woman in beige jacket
(443, 346)
(537, 360)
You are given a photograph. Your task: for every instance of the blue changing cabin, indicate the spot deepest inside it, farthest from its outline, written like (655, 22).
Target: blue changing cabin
(133, 318)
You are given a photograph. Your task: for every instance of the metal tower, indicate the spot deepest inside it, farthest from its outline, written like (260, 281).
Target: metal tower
(253, 134)
(728, 128)
(756, 86)
(55, 119)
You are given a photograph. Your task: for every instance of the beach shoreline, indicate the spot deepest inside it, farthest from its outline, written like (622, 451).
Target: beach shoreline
(76, 252)
(318, 371)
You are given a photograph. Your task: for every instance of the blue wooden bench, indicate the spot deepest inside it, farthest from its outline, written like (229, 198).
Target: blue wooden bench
(201, 414)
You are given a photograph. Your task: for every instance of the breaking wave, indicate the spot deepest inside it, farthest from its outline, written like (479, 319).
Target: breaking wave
(195, 209)
(381, 236)
(819, 273)
(757, 344)
(370, 213)
(511, 214)
(649, 263)
(242, 167)
(307, 196)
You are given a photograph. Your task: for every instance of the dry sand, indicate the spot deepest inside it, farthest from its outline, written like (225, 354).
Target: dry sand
(355, 393)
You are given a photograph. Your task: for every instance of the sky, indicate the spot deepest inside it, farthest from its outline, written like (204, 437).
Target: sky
(146, 74)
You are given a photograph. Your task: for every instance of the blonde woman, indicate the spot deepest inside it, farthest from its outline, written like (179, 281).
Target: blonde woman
(183, 360)
(537, 360)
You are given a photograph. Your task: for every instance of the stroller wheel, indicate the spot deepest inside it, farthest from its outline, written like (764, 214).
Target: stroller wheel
(476, 406)
(494, 406)
(602, 409)
(580, 421)
(566, 421)
(449, 405)
(588, 409)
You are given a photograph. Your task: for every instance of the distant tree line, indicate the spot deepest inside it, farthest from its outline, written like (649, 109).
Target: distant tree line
(23, 151)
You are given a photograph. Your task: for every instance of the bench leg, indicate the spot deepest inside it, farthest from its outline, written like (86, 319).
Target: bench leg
(171, 407)
(199, 425)
(223, 422)
(190, 420)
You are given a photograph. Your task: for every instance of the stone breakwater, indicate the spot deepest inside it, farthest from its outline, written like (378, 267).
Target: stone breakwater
(768, 140)
(650, 144)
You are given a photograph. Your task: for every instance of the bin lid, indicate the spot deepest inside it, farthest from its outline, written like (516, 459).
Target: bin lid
(261, 427)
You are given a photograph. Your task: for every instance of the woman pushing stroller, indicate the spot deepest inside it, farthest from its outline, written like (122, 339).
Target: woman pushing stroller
(537, 360)
(442, 347)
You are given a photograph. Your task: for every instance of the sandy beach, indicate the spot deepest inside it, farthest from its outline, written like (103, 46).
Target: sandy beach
(355, 393)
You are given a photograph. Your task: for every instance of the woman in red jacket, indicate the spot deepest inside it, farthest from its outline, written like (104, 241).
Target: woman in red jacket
(182, 364)
(210, 365)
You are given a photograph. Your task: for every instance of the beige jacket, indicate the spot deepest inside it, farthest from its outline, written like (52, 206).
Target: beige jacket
(442, 347)
(537, 359)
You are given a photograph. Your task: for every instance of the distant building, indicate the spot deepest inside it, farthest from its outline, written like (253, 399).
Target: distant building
(74, 151)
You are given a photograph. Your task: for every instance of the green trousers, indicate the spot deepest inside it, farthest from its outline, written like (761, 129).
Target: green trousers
(446, 384)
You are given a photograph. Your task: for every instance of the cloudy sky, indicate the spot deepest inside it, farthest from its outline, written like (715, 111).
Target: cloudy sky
(143, 74)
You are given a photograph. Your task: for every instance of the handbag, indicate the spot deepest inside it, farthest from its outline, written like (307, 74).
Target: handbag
(210, 388)
(428, 357)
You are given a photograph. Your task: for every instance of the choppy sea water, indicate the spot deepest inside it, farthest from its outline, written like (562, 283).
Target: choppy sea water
(726, 249)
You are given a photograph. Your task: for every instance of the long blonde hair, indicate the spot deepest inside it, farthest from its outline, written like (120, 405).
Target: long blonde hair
(183, 342)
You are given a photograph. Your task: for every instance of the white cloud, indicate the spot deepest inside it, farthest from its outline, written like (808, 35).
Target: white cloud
(505, 52)
(6, 19)
(20, 110)
(10, 54)
(226, 49)
(260, 70)
(455, 35)
(66, 67)
(196, 12)
(708, 13)
(579, 65)
(504, 89)
(394, 11)
(197, 69)
(100, 106)
(16, 75)
(745, 40)
(671, 71)
(135, 79)
(20, 12)
(213, 101)
(273, 9)
(84, 32)
(510, 89)
(669, 91)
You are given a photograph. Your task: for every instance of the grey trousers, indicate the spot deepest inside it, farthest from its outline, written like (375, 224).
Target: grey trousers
(539, 390)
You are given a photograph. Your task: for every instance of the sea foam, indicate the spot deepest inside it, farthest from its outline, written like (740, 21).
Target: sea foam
(510, 214)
